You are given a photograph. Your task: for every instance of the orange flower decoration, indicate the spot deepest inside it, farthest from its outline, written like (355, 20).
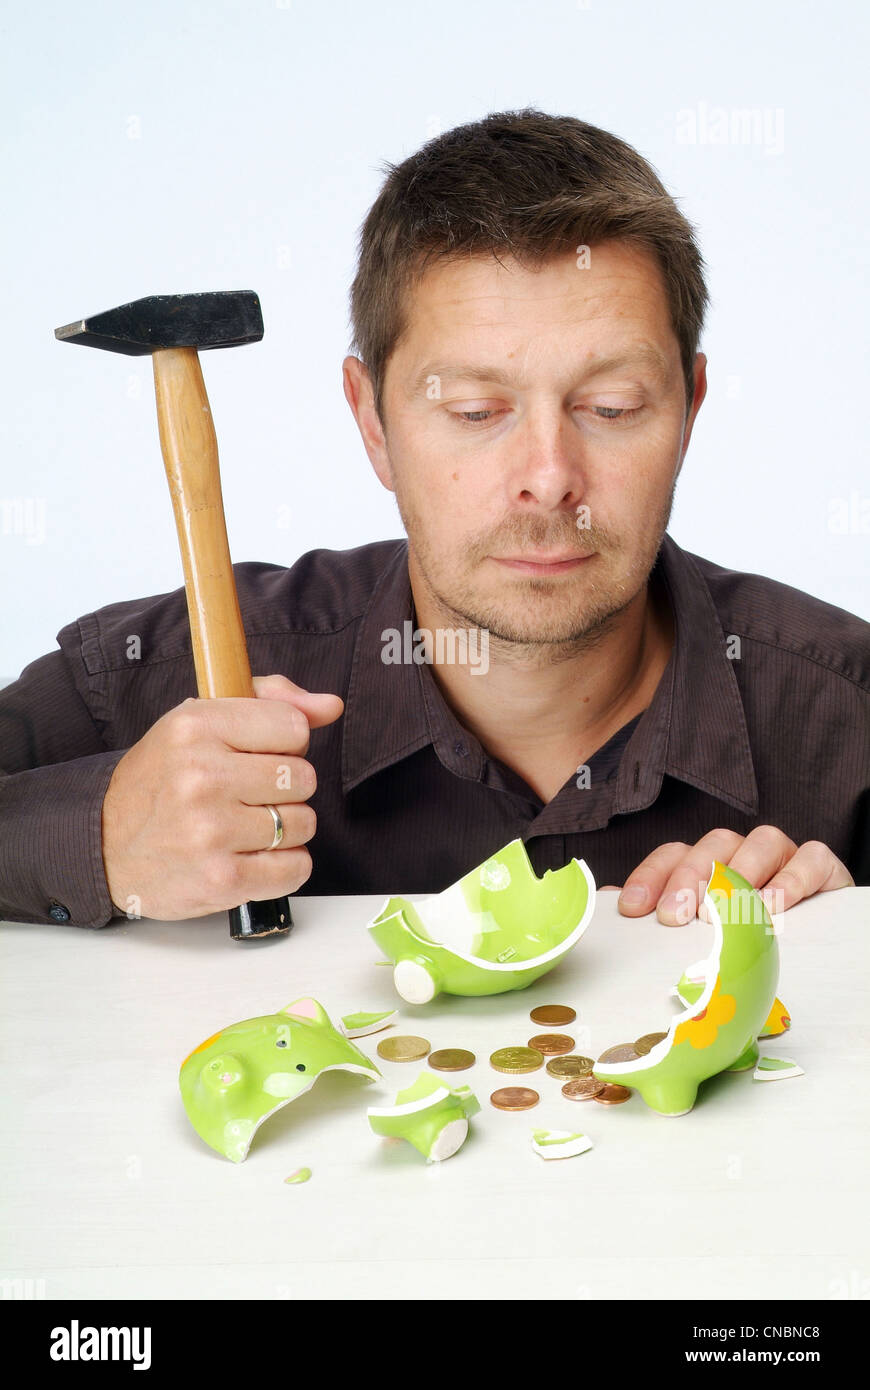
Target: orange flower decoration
(701, 1030)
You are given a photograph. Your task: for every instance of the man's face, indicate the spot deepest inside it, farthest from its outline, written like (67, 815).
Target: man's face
(535, 481)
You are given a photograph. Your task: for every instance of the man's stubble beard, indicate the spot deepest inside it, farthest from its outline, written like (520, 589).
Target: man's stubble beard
(560, 636)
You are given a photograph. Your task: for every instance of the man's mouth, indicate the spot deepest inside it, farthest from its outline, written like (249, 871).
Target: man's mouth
(542, 564)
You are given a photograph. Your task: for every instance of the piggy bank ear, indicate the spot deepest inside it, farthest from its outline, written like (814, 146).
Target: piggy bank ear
(222, 1073)
(308, 1009)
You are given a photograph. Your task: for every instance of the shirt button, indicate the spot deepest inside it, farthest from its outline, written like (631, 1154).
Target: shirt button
(59, 912)
(460, 748)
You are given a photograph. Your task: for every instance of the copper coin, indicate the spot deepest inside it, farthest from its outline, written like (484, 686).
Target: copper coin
(552, 1044)
(570, 1066)
(517, 1059)
(623, 1052)
(583, 1088)
(556, 1015)
(514, 1098)
(404, 1049)
(613, 1095)
(648, 1042)
(452, 1059)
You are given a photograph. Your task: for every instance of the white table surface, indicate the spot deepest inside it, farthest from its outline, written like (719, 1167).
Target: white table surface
(107, 1191)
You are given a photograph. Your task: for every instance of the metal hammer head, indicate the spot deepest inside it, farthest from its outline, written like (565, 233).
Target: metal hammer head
(216, 319)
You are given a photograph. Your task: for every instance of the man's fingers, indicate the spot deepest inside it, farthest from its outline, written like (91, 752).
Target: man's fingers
(319, 708)
(674, 876)
(813, 868)
(643, 887)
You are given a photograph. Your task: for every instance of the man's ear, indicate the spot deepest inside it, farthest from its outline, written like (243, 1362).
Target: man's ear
(360, 396)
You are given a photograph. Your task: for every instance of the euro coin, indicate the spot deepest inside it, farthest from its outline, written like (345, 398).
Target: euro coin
(406, 1049)
(623, 1052)
(452, 1059)
(516, 1059)
(514, 1098)
(551, 1044)
(613, 1095)
(583, 1088)
(648, 1042)
(557, 1015)
(570, 1066)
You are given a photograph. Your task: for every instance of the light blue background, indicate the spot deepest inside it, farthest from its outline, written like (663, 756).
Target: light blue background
(177, 145)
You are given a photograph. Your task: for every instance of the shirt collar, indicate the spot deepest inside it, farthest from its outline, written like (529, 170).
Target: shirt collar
(694, 729)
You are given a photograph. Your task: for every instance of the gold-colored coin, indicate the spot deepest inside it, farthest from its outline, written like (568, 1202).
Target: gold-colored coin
(570, 1066)
(516, 1059)
(405, 1049)
(551, 1044)
(648, 1042)
(584, 1088)
(557, 1015)
(623, 1052)
(613, 1095)
(514, 1098)
(452, 1059)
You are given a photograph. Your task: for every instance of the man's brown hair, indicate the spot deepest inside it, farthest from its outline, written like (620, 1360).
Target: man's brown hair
(526, 184)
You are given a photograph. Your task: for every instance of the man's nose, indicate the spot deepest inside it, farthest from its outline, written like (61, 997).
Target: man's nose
(549, 466)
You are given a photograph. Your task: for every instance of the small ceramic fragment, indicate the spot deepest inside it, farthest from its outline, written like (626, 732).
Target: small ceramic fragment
(778, 1021)
(776, 1069)
(301, 1175)
(559, 1143)
(358, 1025)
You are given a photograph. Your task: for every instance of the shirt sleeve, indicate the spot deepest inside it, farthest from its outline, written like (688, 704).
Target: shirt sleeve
(54, 771)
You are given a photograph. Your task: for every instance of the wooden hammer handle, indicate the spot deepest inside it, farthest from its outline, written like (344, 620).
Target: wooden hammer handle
(220, 653)
(190, 454)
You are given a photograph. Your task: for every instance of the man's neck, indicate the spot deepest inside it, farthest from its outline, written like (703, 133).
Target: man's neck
(545, 717)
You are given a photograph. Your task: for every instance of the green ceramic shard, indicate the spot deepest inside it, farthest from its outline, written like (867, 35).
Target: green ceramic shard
(776, 1069)
(241, 1075)
(498, 928)
(358, 1025)
(726, 1010)
(301, 1175)
(560, 1143)
(428, 1114)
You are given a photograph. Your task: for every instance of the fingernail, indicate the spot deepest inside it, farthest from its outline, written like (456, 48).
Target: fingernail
(669, 903)
(635, 896)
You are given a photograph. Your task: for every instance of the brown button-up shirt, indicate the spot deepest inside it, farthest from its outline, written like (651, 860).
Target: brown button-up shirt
(762, 716)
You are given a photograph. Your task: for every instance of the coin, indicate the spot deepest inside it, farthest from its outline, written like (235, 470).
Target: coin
(570, 1066)
(556, 1014)
(514, 1098)
(405, 1049)
(584, 1088)
(452, 1059)
(613, 1095)
(552, 1044)
(517, 1059)
(623, 1052)
(648, 1042)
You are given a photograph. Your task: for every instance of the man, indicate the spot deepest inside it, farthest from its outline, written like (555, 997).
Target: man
(526, 310)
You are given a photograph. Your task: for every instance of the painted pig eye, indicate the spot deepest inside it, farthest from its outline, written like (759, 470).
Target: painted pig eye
(300, 1066)
(282, 1042)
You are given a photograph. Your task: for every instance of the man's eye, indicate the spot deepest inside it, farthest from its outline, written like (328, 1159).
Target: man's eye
(472, 417)
(602, 412)
(613, 412)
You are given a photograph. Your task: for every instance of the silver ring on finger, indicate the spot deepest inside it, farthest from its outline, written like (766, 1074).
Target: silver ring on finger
(279, 827)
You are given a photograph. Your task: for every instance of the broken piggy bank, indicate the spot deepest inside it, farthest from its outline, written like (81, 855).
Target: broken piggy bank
(498, 928)
(240, 1076)
(718, 1030)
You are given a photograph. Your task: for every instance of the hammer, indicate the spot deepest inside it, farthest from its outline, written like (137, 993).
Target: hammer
(173, 328)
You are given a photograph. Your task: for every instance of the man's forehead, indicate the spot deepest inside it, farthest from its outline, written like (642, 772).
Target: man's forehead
(618, 314)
